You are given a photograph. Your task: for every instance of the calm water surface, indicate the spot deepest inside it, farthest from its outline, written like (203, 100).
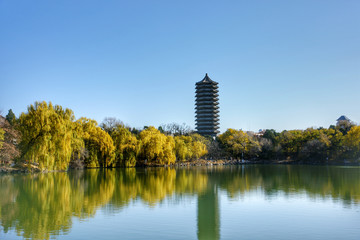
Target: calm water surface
(232, 202)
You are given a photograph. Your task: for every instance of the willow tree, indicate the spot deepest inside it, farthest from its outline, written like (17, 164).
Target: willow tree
(156, 147)
(198, 147)
(97, 142)
(47, 136)
(126, 146)
(187, 148)
(182, 148)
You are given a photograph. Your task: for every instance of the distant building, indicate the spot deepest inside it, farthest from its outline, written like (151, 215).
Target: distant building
(260, 133)
(207, 109)
(344, 124)
(343, 119)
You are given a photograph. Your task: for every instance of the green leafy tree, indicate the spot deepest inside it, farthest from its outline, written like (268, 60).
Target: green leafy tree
(236, 142)
(313, 145)
(291, 142)
(10, 117)
(352, 142)
(272, 135)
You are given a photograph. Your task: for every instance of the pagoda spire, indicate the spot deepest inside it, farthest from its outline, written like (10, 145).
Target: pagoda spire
(207, 78)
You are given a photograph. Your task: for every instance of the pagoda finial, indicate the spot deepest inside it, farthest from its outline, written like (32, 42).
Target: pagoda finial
(206, 78)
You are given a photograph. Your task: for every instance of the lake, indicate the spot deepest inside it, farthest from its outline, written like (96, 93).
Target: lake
(218, 202)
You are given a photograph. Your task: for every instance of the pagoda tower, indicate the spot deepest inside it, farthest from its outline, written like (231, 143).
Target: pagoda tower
(207, 109)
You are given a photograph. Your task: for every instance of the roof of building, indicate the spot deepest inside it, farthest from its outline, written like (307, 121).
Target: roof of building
(343, 118)
(206, 79)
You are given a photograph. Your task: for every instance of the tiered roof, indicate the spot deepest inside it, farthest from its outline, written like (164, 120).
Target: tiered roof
(207, 109)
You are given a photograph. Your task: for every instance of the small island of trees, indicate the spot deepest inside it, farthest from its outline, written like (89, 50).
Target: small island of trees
(48, 137)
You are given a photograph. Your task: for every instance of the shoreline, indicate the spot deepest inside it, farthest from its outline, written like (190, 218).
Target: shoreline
(197, 163)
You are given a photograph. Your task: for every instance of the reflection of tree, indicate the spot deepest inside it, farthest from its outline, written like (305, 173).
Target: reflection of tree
(154, 185)
(92, 189)
(41, 206)
(150, 185)
(45, 203)
(7, 190)
(191, 181)
(38, 206)
(316, 181)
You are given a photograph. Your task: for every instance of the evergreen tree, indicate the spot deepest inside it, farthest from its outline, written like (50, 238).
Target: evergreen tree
(10, 117)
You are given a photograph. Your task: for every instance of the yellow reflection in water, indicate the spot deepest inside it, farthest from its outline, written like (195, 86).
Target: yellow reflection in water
(39, 206)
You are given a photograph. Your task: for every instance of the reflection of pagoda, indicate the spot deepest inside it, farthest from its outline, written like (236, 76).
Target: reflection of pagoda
(208, 218)
(208, 213)
(207, 109)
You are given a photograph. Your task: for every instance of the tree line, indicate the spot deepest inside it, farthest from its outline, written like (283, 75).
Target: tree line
(340, 142)
(50, 138)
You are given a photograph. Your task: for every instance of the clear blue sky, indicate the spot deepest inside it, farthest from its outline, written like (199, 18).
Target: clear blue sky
(279, 64)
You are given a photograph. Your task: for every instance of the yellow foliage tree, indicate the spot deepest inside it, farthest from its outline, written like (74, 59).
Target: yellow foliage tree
(352, 138)
(1, 137)
(291, 141)
(98, 143)
(352, 142)
(126, 147)
(183, 147)
(47, 136)
(198, 149)
(235, 141)
(156, 147)
(188, 147)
